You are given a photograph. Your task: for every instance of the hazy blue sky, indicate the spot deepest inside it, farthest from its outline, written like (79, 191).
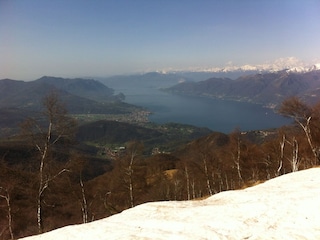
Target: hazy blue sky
(71, 38)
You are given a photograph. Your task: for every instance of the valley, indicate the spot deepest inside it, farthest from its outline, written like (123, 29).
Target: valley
(137, 119)
(80, 151)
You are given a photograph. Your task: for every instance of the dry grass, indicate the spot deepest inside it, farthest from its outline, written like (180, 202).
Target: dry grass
(170, 174)
(251, 183)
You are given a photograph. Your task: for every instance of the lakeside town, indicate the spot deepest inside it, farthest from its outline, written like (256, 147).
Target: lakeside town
(136, 117)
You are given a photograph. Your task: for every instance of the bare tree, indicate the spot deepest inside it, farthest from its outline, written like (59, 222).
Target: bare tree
(188, 181)
(282, 145)
(133, 150)
(193, 189)
(294, 159)
(206, 172)
(237, 161)
(54, 126)
(83, 202)
(203, 159)
(236, 155)
(6, 196)
(302, 114)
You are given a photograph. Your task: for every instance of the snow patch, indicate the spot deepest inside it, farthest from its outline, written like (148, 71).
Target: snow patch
(287, 207)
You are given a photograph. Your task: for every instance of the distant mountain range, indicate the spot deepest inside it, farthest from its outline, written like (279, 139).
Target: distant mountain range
(291, 64)
(146, 81)
(265, 88)
(168, 77)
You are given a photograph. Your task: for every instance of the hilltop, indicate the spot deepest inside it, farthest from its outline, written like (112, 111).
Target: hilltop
(284, 207)
(79, 95)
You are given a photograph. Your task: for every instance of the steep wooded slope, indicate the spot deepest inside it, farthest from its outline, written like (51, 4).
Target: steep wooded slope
(267, 88)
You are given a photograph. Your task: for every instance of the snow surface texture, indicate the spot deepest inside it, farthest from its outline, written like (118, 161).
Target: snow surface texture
(287, 207)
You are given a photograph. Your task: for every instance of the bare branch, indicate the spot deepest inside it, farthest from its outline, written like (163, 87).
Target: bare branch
(58, 125)
(7, 198)
(302, 114)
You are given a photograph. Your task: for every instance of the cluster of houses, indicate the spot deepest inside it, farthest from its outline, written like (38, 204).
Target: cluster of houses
(116, 152)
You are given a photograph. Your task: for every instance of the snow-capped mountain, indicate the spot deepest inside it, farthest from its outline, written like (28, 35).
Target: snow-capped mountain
(287, 207)
(289, 64)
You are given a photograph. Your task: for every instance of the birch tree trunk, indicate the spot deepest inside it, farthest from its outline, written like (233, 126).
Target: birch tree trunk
(130, 173)
(188, 182)
(84, 204)
(206, 172)
(282, 145)
(59, 126)
(302, 115)
(6, 197)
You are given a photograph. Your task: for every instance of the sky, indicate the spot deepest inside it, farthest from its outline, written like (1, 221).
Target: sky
(74, 38)
(287, 207)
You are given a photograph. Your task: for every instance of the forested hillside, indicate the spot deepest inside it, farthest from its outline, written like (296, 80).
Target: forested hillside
(269, 210)
(50, 179)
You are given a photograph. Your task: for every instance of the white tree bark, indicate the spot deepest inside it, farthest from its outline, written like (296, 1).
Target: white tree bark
(43, 138)
(130, 173)
(6, 197)
(188, 182)
(237, 161)
(307, 131)
(282, 145)
(84, 205)
(206, 172)
(294, 160)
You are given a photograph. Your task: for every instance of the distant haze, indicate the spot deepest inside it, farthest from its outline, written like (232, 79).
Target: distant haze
(102, 38)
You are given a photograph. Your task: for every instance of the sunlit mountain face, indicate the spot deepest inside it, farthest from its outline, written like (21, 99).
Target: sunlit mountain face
(291, 64)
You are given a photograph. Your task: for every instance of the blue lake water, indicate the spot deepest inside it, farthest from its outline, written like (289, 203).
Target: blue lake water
(218, 115)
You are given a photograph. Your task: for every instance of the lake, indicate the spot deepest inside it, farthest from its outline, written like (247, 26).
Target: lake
(218, 115)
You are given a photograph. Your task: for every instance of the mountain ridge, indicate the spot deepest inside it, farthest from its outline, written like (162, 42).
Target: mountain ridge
(88, 88)
(21, 99)
(290, 64)
(77, 93)
(268, 89)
